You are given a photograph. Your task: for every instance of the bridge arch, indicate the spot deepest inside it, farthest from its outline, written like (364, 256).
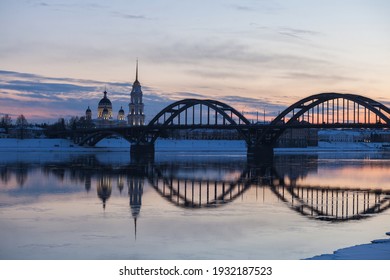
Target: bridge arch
(211, 113)
(329, 110)
(94, 138)
(333, 204)
(197, 193)
(335, 112)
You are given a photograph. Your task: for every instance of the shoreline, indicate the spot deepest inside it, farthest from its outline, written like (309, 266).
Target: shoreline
(117, 145)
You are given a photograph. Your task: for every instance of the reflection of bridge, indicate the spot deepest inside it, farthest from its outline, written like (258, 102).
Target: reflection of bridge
(333, 203)
(213, 184)
(198, 185)
(325, 110)
(320, 202)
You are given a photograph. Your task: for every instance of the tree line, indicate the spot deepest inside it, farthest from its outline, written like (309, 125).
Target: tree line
(22, 129)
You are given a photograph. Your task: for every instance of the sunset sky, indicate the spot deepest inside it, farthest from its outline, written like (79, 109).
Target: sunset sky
(56, 57)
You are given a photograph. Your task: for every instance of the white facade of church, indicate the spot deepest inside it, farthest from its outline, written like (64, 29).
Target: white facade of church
(105, 116)
(136, 114)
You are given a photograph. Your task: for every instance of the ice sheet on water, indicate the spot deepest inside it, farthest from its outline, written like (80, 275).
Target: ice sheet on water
(387, 240)
(378, 249)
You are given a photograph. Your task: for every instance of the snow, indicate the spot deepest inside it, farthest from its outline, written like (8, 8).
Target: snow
(9, 144)
(55, 145)
(201, 145)
(350, 145)
(376, 250)
(113, 144)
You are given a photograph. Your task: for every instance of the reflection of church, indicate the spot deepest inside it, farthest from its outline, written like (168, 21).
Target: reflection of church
(136, 187)
(135, 191)
(104, 189)
(105, 115)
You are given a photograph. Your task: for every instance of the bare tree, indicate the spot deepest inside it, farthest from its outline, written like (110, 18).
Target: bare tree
(72, 124)
(21, 126)
(6, 122)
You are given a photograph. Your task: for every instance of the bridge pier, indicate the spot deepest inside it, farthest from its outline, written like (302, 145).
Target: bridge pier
(142, 152)
(260, 153)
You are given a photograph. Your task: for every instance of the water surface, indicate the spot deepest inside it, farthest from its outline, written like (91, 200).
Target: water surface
(190, 206)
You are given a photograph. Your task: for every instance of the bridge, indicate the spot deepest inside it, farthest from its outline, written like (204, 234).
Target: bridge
(324, 110)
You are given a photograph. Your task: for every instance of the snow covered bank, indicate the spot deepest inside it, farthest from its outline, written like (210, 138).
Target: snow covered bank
(333, 147)
(376, 250)
(350, 146)
(118, 145)
(59, 145)
(200, 145)
(10, 144)
(163, 145)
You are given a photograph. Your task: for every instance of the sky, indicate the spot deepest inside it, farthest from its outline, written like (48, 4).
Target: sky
(57, 57)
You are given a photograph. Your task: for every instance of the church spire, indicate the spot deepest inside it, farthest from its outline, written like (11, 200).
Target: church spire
(135, 228)
(136, 71)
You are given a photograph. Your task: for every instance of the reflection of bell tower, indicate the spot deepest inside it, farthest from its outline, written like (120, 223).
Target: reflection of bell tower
(21, 175)
(88, 182)
(104, 189)
(5, 174)
(135, 193)
(120, 183)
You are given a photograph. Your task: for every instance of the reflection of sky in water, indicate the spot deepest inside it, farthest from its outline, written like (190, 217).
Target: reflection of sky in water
(363, 171)
(52, 209)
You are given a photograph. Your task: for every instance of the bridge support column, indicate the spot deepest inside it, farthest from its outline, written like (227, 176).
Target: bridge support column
(260, 154)
(142, 152)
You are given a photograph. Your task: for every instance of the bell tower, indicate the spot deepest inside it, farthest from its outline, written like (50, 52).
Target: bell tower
(136, 107)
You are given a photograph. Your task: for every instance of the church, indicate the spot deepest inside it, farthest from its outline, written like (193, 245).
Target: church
(105, 116)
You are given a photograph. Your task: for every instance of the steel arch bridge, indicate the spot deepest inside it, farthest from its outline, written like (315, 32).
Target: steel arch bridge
(96, 136)
(324, 110)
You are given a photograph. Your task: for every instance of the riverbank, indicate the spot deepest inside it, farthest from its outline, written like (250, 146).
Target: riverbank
(113, 144)
(378, 249)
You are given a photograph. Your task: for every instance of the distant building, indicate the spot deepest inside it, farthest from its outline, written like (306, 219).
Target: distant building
(136, 107)
(26, 132)
(105, 108)
(298, 137)
(204, 134)
(121, 115)
(88, 114)
(343, 136)
(3, 133)
(354, 136)
(380, 136)
(105, 115)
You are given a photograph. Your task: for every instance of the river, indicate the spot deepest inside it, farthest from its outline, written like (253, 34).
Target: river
(190, 205)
